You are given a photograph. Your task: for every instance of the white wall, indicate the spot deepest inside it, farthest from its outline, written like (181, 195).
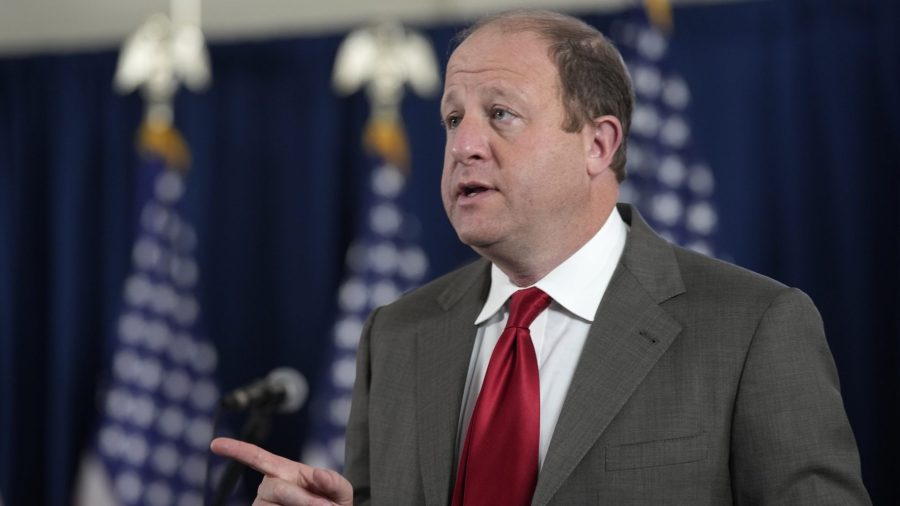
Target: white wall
(28, 26)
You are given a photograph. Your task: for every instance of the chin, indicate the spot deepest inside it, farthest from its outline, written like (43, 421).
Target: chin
(475, 239)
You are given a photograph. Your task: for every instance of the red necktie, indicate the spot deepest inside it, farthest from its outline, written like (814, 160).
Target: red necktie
(499, 461)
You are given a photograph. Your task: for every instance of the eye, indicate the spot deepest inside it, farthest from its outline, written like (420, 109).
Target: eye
(451, 121)
(500, 114)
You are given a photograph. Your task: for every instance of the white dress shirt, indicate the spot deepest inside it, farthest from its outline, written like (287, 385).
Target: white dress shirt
(576, 286)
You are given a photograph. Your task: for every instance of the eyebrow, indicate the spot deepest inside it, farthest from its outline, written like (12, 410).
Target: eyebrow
(447, 98)
(495, 91)
(490, 92)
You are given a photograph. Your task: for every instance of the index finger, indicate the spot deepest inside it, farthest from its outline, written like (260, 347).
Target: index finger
(259, 459)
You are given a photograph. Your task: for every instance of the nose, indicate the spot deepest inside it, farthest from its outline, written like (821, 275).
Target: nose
(468, 142)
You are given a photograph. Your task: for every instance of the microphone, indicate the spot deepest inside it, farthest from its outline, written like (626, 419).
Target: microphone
(284, 389)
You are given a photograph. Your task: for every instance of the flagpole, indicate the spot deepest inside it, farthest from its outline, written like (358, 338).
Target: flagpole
(160, 394)
(660, 14)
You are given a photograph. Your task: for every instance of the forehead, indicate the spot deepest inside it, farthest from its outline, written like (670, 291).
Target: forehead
(492, 53)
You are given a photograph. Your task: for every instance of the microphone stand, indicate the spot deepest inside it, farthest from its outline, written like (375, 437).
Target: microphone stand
(256, 428)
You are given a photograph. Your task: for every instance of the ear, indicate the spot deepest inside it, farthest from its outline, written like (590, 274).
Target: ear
(603, 136)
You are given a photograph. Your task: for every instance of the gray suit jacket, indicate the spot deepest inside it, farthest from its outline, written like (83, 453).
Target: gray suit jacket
(700, 383)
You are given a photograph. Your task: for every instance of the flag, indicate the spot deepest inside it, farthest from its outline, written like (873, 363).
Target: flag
(668, 180)
(383, 261)
(160, 395)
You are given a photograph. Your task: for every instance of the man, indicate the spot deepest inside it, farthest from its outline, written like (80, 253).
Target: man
(655, 375)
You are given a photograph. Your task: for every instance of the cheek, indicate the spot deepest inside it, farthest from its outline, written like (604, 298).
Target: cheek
(445, 184)
(555, 174)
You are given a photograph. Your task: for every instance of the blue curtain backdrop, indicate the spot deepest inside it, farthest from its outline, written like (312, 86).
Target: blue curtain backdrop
(796, 107)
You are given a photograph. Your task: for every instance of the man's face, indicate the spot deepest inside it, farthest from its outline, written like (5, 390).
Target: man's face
(513, 179)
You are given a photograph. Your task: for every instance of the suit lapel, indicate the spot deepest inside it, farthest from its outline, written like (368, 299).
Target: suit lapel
(629, 335)
(444, 347)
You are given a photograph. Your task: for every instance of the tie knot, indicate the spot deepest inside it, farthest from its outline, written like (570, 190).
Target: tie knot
(525, 305)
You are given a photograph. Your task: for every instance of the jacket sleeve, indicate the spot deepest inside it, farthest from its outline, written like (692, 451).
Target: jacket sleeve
(791, 440)
(356, 461)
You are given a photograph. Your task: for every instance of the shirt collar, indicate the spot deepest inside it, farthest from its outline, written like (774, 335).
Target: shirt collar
(578, 283)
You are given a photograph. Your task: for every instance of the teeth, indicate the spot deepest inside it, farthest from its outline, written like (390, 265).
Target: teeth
(472, 191)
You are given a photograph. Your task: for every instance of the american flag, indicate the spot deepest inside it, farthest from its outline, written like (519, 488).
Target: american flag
(160, 396)
(667, 179)
(383, 261)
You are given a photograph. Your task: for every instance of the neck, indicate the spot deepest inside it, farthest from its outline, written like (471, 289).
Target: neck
(526, 266)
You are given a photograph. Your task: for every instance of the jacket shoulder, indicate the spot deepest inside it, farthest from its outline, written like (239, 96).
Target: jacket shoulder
(438, 295)
(712, 276)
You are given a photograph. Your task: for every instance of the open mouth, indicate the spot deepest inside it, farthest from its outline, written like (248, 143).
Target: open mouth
(472, 190)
